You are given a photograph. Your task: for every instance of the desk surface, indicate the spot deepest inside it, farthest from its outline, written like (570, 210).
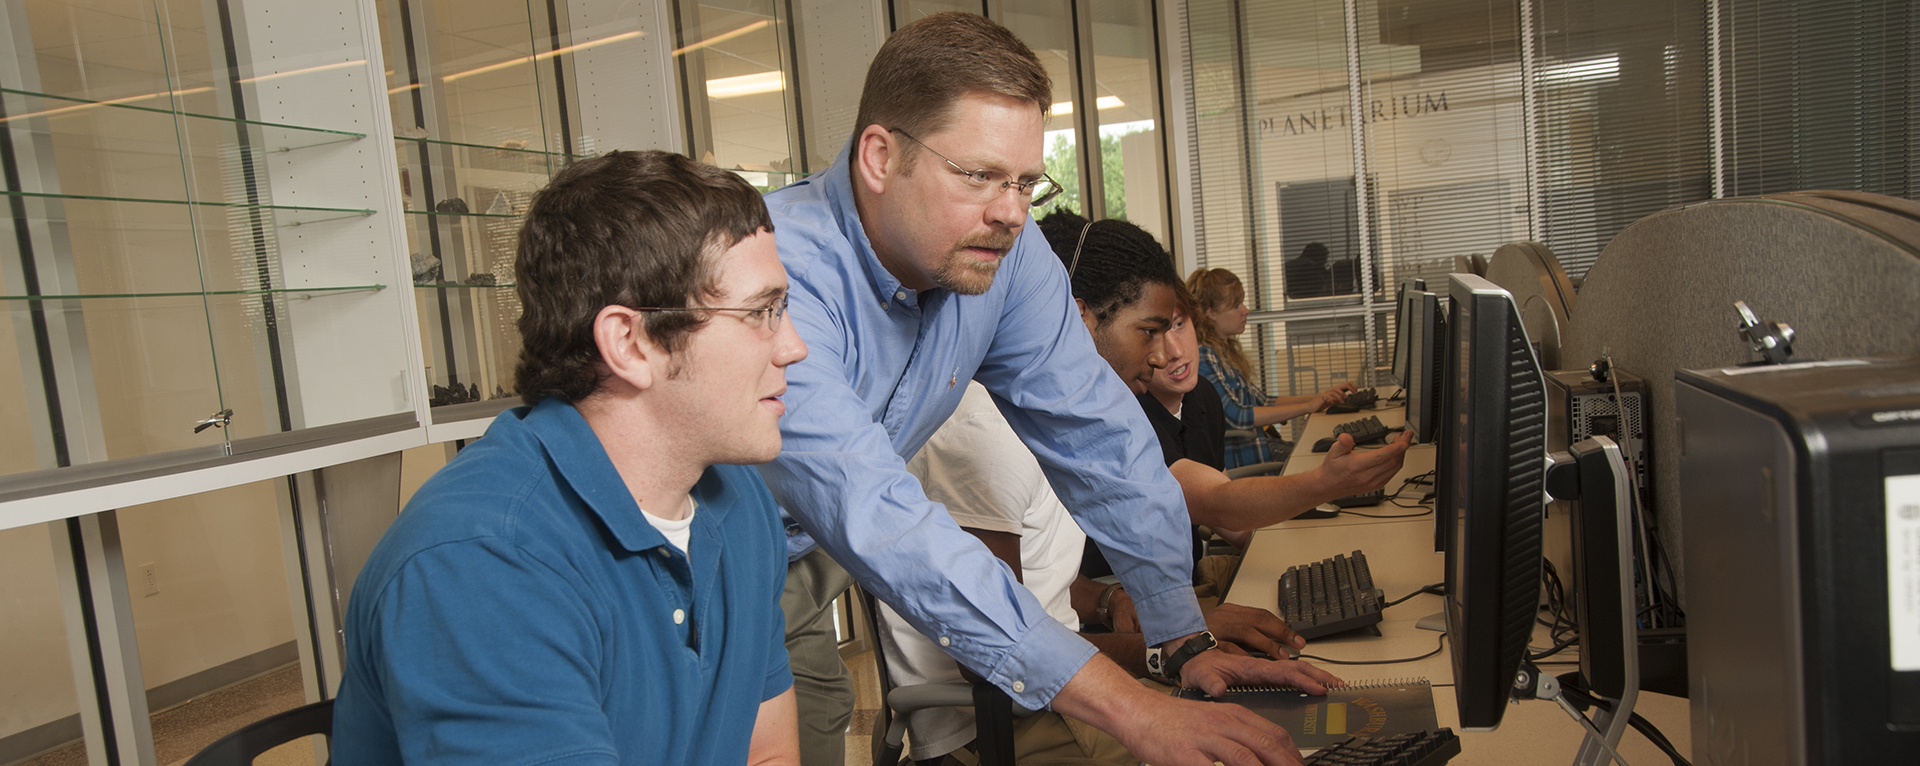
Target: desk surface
(1400, 553)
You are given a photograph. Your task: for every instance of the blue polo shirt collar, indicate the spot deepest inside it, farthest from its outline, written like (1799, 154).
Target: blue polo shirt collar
(582, 462)
(837, 183)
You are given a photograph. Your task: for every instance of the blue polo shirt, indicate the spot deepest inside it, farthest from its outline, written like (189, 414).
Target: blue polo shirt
(521, 611)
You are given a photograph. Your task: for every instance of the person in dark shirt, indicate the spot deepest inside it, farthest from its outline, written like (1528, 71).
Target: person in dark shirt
(1137, 308)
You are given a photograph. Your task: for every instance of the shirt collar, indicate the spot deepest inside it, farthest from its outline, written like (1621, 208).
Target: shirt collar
(838, 186)
(583, 465)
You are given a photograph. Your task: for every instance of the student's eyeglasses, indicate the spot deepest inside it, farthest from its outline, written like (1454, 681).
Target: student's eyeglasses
(768, 316)
(988, 185)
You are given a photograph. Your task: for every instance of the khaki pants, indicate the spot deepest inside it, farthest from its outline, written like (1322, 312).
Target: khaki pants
(1047, 738)
(822, 688)
(1212, 576)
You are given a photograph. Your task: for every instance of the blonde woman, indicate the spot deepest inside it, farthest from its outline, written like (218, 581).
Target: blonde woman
(1223, 316)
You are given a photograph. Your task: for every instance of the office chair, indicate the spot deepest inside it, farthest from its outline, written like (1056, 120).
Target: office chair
(993, 709)
(246, 744)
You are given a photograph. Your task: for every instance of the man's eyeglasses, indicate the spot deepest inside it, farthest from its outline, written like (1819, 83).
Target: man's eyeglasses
(988, 185)
(766, 316)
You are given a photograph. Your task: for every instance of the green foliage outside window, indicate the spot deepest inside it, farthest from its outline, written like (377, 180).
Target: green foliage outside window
(1062, 165)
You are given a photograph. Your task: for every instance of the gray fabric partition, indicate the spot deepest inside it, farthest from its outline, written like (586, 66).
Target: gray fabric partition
(1841, 268)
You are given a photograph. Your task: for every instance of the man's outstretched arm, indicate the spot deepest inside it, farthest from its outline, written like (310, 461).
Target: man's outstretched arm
(1257, 501)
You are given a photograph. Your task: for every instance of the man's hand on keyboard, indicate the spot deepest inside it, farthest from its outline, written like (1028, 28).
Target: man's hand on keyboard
(1244, 628)
(1161, 729)
(1213, 672)
(1346, 472)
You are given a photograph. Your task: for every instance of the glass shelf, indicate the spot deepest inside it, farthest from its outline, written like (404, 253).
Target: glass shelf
(438, 142)
(463, 285)
(433, 213)
(200, 293)
(298, 214)
(277, 137)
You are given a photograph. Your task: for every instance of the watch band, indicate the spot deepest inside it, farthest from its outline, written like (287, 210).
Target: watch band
(1167, 668)
(1105, 608)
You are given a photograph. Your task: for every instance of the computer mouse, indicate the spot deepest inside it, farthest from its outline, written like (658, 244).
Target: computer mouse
(1321, 512)
(1325, 444)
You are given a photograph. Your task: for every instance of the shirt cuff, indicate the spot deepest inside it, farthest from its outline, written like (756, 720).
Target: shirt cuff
(1168, 615)
(1041, 664)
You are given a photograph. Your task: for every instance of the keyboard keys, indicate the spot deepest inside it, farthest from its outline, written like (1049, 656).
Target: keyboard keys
(1330, 596)
(1425, 748)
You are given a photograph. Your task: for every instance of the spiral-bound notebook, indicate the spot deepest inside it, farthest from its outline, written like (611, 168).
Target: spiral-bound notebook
(1372, 708)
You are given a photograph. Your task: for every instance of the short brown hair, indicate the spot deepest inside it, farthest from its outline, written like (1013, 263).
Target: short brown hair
(627, 229)
(928, 65)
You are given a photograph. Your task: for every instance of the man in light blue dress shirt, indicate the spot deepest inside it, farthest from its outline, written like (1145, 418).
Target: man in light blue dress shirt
(914, 270)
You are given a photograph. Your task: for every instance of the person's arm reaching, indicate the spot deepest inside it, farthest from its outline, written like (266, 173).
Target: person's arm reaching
(1092, 439)
(1258, 501)
(838, 474)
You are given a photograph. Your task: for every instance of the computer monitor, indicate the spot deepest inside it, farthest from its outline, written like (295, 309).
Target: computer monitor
(1426, 332)
(1491, 467)
(1401, 335)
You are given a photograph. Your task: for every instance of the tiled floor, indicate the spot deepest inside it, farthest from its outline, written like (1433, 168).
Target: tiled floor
(183, 730)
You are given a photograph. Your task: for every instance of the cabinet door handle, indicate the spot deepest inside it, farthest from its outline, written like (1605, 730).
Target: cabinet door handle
(219, 420)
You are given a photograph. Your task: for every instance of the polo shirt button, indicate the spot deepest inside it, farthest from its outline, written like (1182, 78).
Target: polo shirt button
(664, 553)
(900, 296)
(1019, 686)
(944, 641)
(679, 616)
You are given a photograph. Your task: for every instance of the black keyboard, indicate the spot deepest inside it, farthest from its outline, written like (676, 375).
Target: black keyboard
(1373, 498)
(1424, 748)
(1362, 398)
(1366, 430)
(1330, 596)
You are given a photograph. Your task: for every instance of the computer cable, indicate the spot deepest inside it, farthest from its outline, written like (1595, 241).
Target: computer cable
(1563, 631)
(1330, 661)
(1438, 589)
(1658, 567)
(1394, 498)
(1574, 687)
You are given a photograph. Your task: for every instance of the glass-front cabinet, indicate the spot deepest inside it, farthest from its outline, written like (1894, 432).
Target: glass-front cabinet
(490, 98)
(196, 258)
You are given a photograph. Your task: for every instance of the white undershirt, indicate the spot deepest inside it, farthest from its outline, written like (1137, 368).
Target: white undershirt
(1177, 408)
(676, 532)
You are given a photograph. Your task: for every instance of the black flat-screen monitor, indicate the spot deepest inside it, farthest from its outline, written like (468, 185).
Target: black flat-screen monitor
(1426, 334)
(1401, 336)
(1491, 470)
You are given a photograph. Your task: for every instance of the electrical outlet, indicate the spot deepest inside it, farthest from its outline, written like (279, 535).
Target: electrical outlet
(149, 582)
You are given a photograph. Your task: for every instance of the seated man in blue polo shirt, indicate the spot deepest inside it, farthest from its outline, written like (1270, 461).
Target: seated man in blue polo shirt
(597, 580)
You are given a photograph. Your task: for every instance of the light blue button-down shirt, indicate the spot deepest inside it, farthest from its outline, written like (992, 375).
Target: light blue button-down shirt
(885, 367)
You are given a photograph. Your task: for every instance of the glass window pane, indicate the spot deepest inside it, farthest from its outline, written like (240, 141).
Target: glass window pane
(1126, 83)
(1047, 28)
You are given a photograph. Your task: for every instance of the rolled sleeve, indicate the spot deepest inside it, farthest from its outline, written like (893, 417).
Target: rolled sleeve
(839, 476)
(1093, 441)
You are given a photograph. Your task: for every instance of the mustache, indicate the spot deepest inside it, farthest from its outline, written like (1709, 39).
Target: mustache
(999, 240)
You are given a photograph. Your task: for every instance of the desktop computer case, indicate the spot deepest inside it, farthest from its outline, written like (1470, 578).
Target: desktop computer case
(1793, 479)
(1580, 408)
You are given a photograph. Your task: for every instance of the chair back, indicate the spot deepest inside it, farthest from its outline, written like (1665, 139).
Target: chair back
(241, 747)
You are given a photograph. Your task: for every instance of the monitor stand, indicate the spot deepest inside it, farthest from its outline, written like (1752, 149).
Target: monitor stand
(1594, 473)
